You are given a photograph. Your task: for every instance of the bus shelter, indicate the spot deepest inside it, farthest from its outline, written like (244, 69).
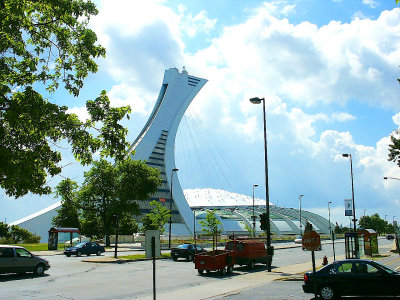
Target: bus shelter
(53, 236)
(370, 241)
(352, 245)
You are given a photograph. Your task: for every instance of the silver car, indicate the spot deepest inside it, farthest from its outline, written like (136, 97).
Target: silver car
(16, 259)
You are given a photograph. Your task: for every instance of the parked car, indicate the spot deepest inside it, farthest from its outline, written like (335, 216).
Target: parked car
(353, 277)
(248, 252)
(84, 248)
(390, 237)
(16, 259)
(187, 251)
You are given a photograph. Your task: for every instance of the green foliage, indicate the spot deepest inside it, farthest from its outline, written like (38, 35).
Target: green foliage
(4, 230)
(211, 225)
(376, 223)
(157, 218)
(68, 214)
(43, 43)
(127, 225)
(18, 235)
(308, 226)
(397, 1)
(110, 190)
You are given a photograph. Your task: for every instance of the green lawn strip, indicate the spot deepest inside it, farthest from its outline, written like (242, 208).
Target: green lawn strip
(39, 246)
(142, 256)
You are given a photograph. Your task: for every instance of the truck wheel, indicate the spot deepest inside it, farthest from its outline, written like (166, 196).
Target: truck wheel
(222, 271)
(174, 258)
(251, 265)
(208, 271)
(200, 271)
(230, 270)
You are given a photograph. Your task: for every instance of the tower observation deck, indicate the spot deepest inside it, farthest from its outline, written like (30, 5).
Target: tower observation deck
(156, 142)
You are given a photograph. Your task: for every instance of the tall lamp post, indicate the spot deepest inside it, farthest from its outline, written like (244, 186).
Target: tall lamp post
(354, 207)
(270, 250)
(301, 231)
(170, 209)
(391, 178)
(330, 231)
(254, 217)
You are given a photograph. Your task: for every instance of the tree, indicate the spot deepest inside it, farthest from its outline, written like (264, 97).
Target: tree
(127, 225)
(4, 230)
(211, 225)
(18, 235)
(157, 218)
(110, 190)
(373, 222)
(43, 43)
(68, 214)
(308, 226)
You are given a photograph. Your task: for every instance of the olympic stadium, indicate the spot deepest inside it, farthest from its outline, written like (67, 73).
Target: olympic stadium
(156, 145)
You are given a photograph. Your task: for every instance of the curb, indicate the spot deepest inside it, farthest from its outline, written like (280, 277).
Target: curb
(120, 260)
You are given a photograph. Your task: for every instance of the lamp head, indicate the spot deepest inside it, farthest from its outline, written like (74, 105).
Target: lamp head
(255, 185)
(384, 177)
(256, 100)
(301, 195)
(174, 170)
(345, 155)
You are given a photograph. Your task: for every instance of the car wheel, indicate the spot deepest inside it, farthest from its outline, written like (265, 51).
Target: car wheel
(251, 265)
(222, 271)
(79, 253)
(190, 257)
(327, 293)
(174, 258)
(88, 254)
(230, 269)
(200, 271)
(39, 270)
(98, 253)
(68, 255)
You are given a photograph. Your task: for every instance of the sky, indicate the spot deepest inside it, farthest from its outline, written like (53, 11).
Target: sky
(328, 72)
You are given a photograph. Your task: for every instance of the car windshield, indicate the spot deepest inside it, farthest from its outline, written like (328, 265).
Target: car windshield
(79, 245)
(386, 268)
(184, 246)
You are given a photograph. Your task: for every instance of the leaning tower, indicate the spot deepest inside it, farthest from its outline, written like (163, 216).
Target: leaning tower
(156, 144)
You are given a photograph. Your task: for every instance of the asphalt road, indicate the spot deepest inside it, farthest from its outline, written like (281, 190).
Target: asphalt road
(70, 278)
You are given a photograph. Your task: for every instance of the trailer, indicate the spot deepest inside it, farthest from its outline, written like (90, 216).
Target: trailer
(221, 261)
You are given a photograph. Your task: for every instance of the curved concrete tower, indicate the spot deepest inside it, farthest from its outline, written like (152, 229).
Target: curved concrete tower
(156, 143)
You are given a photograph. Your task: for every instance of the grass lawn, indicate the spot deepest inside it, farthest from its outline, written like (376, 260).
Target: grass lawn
(141, 256)
(39, 246)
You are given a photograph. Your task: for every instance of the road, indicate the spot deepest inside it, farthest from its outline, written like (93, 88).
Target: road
(70, 278)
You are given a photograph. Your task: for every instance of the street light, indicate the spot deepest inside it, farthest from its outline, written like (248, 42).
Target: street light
(301, 231)
(330, 231)
(385, 217)
(391, 178)
(354, 207)
(393, 220)
(257, 100)
(254, 217)
(170, 209)
(364, 211)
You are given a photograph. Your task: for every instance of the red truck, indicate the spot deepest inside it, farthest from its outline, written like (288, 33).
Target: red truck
(217, 260)
(248, 252)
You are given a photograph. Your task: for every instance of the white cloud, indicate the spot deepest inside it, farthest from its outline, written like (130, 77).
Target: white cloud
(371, 3)
(192, 25)
(81, 113)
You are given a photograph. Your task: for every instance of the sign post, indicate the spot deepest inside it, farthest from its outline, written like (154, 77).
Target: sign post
(348, 207)
(312, 241)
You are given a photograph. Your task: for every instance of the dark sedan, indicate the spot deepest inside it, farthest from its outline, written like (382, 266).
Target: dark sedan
(84, 248)
(353, 277)
(187, 251)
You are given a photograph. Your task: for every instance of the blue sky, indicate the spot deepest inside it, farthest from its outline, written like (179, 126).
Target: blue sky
(328, 70)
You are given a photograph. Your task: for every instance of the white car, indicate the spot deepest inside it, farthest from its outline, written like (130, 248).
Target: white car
(298, 240)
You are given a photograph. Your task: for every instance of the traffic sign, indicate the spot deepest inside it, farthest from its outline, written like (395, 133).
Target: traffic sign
(311, 240)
